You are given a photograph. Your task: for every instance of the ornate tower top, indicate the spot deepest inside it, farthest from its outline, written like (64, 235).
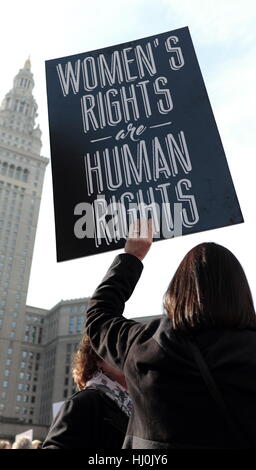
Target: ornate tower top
(18, 111)
(27, 64)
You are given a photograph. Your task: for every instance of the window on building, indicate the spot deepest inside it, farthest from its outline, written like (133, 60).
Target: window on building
(71, 325)
(25, 175)
(4, 168)
(11, 171)
(74, 309)
(5, 383)
(80, 324)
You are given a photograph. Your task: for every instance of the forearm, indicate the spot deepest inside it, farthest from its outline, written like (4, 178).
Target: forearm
(108, 330)
(117, 285)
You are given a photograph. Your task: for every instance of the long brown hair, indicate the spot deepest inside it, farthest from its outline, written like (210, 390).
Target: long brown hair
(84, 363)
(209, 290)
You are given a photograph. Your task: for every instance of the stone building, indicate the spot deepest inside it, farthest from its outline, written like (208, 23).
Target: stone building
(22, 171)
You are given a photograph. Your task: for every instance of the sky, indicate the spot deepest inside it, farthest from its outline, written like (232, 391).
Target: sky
(223, 34)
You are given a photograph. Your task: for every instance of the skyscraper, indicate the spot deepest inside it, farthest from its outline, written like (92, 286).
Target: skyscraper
(21, 178)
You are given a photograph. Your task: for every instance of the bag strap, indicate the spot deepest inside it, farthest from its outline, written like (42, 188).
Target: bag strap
(216, 395)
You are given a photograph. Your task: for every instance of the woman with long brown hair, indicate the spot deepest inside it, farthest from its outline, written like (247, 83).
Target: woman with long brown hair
(192, 373)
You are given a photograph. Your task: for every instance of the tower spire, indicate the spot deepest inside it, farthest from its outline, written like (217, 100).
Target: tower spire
(27, 64)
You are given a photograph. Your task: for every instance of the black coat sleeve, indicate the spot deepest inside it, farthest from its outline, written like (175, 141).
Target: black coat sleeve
(111, 334)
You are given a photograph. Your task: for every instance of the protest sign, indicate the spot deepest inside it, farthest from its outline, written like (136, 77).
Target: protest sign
(28, 433)
(132, 133)
(56, 407)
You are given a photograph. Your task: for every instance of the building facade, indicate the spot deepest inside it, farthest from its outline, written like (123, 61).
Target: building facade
(22, 170)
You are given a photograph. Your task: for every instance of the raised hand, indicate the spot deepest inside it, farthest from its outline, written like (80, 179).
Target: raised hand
(140, 238)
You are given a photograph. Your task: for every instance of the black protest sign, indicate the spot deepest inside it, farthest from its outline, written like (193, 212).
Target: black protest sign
(132, 133)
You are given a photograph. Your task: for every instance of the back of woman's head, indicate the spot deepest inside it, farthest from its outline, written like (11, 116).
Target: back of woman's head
(209, 290)
(85, 363)
(23, 443)
(4, 444)
(37, 444)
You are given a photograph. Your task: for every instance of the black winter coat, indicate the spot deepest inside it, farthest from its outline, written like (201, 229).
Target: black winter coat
(87, 420)
(172, 406)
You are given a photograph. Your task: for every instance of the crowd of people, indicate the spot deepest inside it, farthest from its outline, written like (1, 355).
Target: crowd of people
(21, 443)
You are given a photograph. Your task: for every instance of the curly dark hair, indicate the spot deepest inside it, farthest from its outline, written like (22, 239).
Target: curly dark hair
(84, 363)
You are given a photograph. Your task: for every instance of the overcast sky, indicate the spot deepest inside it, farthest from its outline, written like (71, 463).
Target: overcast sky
(223, 33)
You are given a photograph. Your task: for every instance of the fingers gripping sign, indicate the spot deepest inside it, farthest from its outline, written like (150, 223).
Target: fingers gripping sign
(140, 238)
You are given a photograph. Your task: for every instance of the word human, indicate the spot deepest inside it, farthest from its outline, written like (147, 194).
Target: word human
(122, 167)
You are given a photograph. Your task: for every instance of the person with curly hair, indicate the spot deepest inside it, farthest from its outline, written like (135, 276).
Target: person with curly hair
(96, 416)
(22, 443)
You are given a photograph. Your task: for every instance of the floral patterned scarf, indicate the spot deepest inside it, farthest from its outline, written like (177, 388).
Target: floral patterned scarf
(112, 389)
